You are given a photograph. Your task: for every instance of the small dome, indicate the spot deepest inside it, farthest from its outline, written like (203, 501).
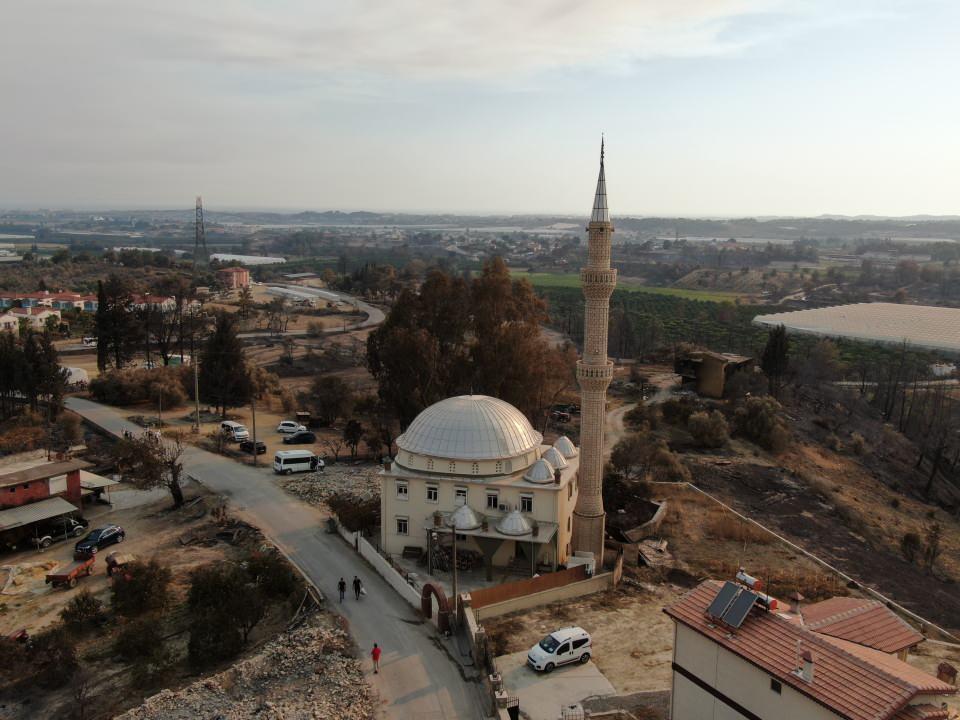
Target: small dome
(514, 523)
(555, 458)
(566, 448)
(470, 427)
(463, 518)
(540, 472)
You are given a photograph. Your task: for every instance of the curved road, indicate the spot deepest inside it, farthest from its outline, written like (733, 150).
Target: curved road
(375, 315)
(417, 680)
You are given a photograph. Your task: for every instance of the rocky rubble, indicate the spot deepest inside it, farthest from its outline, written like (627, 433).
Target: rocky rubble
(360, 481)
(306, 673)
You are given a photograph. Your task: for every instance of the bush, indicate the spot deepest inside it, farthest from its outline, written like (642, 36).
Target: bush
(858, 443)
(143, 587)
(225, 607)
(136, 385)
(758, 419)
(643, 417)
(911, 546)
(81, 609)
(677, 411)
(355, 514)
(54, 657)
(272, 574)
(709, 429)
(138, 638)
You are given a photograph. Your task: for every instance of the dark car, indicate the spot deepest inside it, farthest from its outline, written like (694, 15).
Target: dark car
(247, 447)
(99, 539)
(58, 529)
(300, 438)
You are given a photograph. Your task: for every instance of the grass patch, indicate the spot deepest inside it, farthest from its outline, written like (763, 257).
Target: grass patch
(572, 280)
(730, 527)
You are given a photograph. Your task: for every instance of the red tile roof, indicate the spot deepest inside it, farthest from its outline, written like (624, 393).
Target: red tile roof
(867, 622)
(233, 270)
(922, 712)
(843, 682)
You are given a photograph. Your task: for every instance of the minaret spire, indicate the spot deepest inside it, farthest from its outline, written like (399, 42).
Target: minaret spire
(594, 373)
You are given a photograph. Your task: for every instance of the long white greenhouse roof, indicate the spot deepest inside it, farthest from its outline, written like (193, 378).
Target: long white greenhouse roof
(919, 326)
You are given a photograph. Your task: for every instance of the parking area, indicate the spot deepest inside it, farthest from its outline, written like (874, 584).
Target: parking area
(543, 695)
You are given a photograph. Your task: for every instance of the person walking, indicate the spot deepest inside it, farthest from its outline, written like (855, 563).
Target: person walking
(342, 587)
(375, 654)
(357, 586)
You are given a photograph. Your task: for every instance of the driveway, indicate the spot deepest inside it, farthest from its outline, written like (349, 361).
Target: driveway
(544, 695)
(417, 681)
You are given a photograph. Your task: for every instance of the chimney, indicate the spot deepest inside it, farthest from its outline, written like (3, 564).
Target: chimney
(806, 667)
(556, 476)
(387, 462)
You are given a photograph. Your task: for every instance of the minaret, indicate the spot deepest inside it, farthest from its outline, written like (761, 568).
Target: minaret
(594, 373)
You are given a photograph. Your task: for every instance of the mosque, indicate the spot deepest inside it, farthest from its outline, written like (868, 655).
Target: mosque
(475, 466)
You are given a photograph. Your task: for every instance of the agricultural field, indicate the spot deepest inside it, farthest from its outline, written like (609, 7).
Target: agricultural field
(572, 280)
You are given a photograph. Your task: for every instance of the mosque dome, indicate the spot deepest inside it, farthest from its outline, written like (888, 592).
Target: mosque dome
(470, 428)
(540, 472)
(463, 518)
(566, 448)
(514, 523)
(555, 458)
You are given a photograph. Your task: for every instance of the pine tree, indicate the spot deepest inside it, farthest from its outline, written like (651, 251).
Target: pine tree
(224, 377)
(776, 359)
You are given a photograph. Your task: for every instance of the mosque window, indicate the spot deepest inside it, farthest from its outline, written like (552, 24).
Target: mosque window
(402, 490)
(499, 467)
(475, 468)
(403, 527)
(433, 493)
(460, 496)
(526, 503)
(493, 500)
(429, 463)
(451, 466)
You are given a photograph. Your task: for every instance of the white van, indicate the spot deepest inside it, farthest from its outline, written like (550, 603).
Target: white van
(89, 342)
(234, 431)
(291, 461)
(568, 645)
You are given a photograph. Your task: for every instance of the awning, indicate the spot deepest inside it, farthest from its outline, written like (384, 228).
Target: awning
(92, 481)
(34, 512)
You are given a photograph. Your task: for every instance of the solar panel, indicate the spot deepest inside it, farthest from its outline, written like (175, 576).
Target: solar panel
(739, 610)
(723, 600)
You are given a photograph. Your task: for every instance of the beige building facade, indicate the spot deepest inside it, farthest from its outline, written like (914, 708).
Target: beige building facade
(475, 463)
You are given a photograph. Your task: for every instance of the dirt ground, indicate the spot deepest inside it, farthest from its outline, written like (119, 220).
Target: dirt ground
(632, 637)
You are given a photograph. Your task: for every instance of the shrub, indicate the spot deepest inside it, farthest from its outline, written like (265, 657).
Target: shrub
(225, 607)
(314, 329)
(643, 417)
(143, 587)
(81, 609)
(138, 638)
(272, 574)
(758, 419)
(709, 429)
(54, 657)
(677, 411)
(858, 443)
(135, 385)
(355, 514)
(911, 546)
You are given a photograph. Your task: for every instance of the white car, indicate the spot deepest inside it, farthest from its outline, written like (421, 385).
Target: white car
(568, 645)
(290, 426)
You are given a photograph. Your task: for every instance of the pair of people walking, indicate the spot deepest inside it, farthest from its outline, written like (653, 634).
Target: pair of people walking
(357, 587)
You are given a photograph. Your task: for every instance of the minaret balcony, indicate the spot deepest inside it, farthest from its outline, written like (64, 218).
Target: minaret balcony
(598, 283)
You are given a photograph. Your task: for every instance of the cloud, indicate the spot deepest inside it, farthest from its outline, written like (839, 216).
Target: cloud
(423, 40)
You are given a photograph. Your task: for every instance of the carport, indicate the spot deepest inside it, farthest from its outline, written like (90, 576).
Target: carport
(17, 523)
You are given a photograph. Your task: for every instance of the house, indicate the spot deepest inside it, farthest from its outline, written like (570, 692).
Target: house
(708, 372)
(475, 463)
(737, 655)
(10, 323)
(234, 278)
(157, 302)
(39, 482)
(35, 317)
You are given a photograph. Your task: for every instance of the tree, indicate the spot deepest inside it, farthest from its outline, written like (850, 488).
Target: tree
(776, 359)
(932, 549)
(43, 378)
(245, 301)
(821, 364)
(149, 462)
(352, 435)
(758, 419)
(224, 378)
(143, 586)
(115, 325)
(330, 398)
(709, 430)
(639, 457)
(225, 606)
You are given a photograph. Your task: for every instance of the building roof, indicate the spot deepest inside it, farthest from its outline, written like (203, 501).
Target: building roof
(844, 682)
(867, 622)
(919, 326)
(233, 270)
(923, 711)
(41, 472)
(470, 427)
(601, 213)
(34, 512)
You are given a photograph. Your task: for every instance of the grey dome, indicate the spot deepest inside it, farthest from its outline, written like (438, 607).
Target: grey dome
(555, 458)
(463, 518)
(566, 448)
(513, 523)
(540, 472)
(470, 427)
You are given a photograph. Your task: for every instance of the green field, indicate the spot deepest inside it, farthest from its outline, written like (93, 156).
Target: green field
(573, 280)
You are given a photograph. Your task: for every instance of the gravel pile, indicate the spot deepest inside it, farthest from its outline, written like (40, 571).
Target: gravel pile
(305, 673)
(363, 482)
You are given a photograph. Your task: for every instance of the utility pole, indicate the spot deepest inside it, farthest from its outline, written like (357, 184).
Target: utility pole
(196, 393)
(455, 595)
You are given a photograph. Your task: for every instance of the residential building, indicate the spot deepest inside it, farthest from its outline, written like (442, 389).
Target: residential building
(35, 317)
(761, 662)
(475, 463)
(234, 278)
(39, 482)
(708, 372)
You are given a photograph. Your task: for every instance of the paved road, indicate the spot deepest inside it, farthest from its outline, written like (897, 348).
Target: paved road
(375, 315)
(417, 680)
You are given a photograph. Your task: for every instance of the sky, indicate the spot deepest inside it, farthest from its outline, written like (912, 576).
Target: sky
(708, 107)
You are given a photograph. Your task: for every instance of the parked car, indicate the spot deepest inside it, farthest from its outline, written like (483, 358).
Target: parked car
(58, 529)
(303, 437)
(247, 447)
(567, 645)
(234, 431)
(290, 426)
(98, 539)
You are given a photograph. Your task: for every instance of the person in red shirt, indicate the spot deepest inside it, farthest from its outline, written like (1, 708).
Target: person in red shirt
(375, 654)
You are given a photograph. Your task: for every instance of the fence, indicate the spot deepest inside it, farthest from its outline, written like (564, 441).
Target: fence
(576, 589)
(508, 591)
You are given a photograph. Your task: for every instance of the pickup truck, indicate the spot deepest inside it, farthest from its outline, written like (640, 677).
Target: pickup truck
(59, 529)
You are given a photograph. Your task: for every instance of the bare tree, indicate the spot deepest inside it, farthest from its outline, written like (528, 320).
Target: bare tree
(150, 461)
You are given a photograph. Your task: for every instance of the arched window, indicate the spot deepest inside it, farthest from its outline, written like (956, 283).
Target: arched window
(429, 463)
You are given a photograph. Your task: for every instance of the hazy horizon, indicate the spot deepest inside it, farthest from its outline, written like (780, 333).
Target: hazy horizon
(711, 108)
